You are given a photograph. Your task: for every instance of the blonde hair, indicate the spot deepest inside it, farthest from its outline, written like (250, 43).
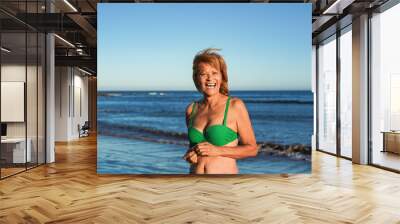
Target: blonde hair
(211, 57)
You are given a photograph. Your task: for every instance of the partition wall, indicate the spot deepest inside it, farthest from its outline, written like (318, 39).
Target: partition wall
(22, 77)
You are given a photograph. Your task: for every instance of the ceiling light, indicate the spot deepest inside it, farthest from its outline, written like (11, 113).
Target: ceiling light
(79, 51)
(86, 72)
(338, 6)
(64, 40)
(5, 49)
(333, 6)
(71, 6)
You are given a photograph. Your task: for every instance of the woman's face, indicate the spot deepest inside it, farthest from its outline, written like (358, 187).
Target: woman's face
(209, 79)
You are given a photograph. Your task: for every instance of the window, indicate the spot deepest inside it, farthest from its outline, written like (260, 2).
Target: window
(346, 92)
(327, 95)
(385, 88)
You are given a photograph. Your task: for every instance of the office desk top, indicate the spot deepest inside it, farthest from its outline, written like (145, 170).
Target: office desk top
(390, 132)
(13, 140)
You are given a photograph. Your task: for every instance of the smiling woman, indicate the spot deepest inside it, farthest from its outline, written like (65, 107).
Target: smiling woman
(144, 90)
(214, 150)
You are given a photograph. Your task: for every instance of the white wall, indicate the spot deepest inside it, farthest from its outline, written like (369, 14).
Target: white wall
(62, 81)
(71, 94)
(80, 110)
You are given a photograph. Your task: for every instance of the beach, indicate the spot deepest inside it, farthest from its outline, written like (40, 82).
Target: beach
(144, 132)
(159, 158)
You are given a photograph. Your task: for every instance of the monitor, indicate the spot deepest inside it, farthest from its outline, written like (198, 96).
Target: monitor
(3, 129)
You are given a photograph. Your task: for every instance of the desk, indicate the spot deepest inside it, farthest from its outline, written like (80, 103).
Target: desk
(391, 141)
(18, 149)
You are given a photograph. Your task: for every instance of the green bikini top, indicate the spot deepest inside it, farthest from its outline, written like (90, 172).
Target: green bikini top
(218, 134)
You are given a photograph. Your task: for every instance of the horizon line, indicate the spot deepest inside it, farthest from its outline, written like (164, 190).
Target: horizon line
(158, 90)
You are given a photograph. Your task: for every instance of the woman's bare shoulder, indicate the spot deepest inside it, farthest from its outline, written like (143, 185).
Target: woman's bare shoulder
(189, 108)
(237, 103)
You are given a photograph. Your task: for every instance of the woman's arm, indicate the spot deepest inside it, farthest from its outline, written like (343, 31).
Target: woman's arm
(190, 156)
(188, 111)
(248, 146)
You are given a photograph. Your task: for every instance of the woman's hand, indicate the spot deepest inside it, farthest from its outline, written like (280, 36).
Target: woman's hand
(201, 149)
(190, 156)
(206, 149)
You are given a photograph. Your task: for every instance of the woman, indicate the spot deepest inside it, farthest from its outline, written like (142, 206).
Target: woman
(216, 122)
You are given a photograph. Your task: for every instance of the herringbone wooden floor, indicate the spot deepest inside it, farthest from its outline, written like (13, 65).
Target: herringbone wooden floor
(70, 191)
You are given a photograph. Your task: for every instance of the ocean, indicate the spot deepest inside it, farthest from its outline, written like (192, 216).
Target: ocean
(144, 132)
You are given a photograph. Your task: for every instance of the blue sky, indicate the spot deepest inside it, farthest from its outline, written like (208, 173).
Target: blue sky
(151, 46)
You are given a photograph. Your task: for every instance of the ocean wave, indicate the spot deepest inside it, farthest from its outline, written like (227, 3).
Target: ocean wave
(156, 93)
(108, 94)
(134, 111)
(142, 133)
(278, 101)
(294, 151)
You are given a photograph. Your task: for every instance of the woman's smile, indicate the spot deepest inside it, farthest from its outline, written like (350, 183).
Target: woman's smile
(211, 85)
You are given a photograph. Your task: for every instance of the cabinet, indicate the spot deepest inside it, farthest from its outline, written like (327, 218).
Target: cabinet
(391, 141)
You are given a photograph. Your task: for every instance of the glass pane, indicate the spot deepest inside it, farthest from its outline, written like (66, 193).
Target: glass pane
(346, 94)
(31, 98)
(385, 83)
(14, 153)
(31, 84)
(327, 96)
(41, 98)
